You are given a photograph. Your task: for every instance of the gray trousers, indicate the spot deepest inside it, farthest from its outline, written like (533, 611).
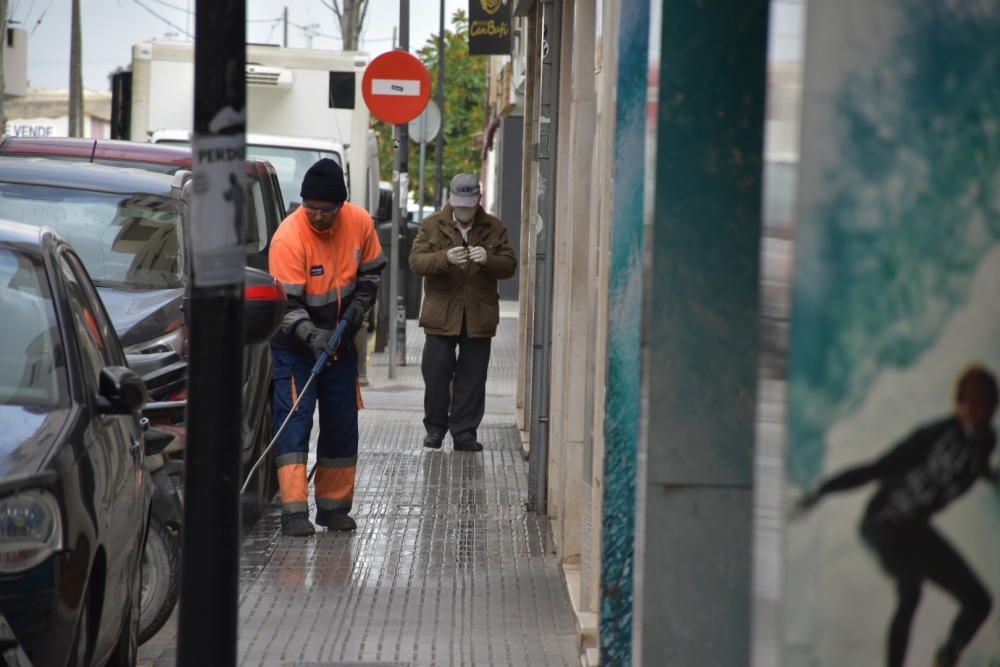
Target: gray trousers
(455, 387)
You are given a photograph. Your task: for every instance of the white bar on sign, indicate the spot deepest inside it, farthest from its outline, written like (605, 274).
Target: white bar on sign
(409, 88)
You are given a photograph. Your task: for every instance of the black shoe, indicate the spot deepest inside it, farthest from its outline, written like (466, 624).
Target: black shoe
(335, 520)
(468, 445)
(296, 524)
(433, 440)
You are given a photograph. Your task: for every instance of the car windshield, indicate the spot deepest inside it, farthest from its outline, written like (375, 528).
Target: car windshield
(32, 371)
(127, 241)
(291, 164)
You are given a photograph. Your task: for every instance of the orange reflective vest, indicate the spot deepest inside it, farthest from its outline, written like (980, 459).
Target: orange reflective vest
(323, 272)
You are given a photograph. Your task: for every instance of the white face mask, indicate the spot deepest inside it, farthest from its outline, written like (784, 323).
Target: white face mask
(465, 214)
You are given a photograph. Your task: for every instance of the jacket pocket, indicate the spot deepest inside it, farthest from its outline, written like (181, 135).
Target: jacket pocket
(433, 312)
(484, 316)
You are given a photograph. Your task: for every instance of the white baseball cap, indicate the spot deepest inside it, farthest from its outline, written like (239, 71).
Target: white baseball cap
(465, 191)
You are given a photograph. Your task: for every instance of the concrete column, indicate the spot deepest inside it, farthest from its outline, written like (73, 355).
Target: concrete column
(574, 283)
(694, 526)
(529, 221)
(564, 225)
(601, 198)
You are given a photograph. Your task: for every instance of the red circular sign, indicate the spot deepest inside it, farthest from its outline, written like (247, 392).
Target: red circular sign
(396, 87)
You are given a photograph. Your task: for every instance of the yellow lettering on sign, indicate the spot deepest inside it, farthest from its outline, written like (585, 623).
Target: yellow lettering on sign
(489, 28)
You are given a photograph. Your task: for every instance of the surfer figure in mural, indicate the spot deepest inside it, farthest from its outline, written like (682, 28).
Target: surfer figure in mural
(917, 478)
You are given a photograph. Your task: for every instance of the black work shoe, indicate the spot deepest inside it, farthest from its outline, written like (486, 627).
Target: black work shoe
(335, 520)
(469, 445)
(296, 524)
(433, 440)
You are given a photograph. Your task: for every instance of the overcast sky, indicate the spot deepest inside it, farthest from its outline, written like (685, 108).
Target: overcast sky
(111, 27)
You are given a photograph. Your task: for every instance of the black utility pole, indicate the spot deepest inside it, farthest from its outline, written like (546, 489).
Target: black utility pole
(400, 189)
(439, 146)
(210, 583)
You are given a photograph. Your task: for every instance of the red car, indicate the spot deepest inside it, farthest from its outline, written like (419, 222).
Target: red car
(267, 207)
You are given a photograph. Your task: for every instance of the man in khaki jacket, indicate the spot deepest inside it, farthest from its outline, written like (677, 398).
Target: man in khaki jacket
(461, 251)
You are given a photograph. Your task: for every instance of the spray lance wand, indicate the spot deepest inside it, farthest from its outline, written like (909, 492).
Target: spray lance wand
(331, 345)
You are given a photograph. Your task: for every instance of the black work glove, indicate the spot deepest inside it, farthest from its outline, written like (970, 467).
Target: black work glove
(313, 336)
(354, 315)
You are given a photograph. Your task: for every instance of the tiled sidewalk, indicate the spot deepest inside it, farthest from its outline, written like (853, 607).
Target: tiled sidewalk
(446, 568)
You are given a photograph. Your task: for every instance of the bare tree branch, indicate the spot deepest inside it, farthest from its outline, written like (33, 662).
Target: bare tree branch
(351, 17)
(335, 7)
(364, 13)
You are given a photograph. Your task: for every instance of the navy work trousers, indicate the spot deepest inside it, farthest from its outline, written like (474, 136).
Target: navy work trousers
(336, 391)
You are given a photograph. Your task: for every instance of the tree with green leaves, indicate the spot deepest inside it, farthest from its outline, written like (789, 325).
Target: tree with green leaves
(464, 108)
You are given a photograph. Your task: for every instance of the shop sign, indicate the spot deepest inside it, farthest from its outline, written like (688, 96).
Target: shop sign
(489, 27)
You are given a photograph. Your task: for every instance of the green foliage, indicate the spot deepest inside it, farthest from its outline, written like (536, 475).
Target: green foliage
(464, 109)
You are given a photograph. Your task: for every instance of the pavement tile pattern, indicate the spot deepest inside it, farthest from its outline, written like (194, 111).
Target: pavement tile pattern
(446, 568)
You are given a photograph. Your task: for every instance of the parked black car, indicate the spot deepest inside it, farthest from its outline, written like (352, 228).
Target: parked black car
(128, 227)
(74, 499)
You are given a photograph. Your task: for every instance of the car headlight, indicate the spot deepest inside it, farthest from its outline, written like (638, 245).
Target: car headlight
(30, 530)
(172, 341)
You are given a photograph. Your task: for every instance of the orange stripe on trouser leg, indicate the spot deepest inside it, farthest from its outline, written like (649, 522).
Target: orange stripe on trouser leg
(335, 483)
(357, 392)
(295, 391)
(292, 481)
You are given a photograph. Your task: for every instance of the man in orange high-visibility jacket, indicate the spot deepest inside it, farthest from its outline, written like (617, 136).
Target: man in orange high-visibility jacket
(327, 257)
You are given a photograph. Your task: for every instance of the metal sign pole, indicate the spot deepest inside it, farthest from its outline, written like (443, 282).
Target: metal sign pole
(403, 167)
(439, 146)
(397, 86)
(394, 253)
(423, 163)
(209, 612)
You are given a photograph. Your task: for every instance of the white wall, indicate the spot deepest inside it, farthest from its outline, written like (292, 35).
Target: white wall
(93, 128)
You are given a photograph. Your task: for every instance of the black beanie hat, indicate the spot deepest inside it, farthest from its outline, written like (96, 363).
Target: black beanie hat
(325, 182)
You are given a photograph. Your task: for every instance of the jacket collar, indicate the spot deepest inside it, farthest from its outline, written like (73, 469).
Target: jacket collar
(446, 221)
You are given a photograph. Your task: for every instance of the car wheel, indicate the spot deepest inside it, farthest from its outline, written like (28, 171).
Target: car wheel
(161, 579)
(264, 485)
(81, 636)
(268, 473)
(126, 652)
(271, 472)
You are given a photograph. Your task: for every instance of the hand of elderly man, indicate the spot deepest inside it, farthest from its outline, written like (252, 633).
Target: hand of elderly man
(458, 256)
(478, 254)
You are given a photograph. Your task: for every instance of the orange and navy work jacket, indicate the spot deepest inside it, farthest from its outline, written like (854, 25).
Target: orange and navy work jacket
(323, 272)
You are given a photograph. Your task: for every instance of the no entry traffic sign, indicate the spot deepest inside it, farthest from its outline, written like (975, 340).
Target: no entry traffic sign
(396, 87)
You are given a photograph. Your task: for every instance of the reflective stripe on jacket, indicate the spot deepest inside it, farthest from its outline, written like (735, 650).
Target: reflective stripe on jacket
(323, 272)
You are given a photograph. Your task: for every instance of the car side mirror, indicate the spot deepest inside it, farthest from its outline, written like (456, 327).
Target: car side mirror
(120, 391)
(263, 306)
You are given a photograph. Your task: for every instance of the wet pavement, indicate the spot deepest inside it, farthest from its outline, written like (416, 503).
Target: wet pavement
(446, 568)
